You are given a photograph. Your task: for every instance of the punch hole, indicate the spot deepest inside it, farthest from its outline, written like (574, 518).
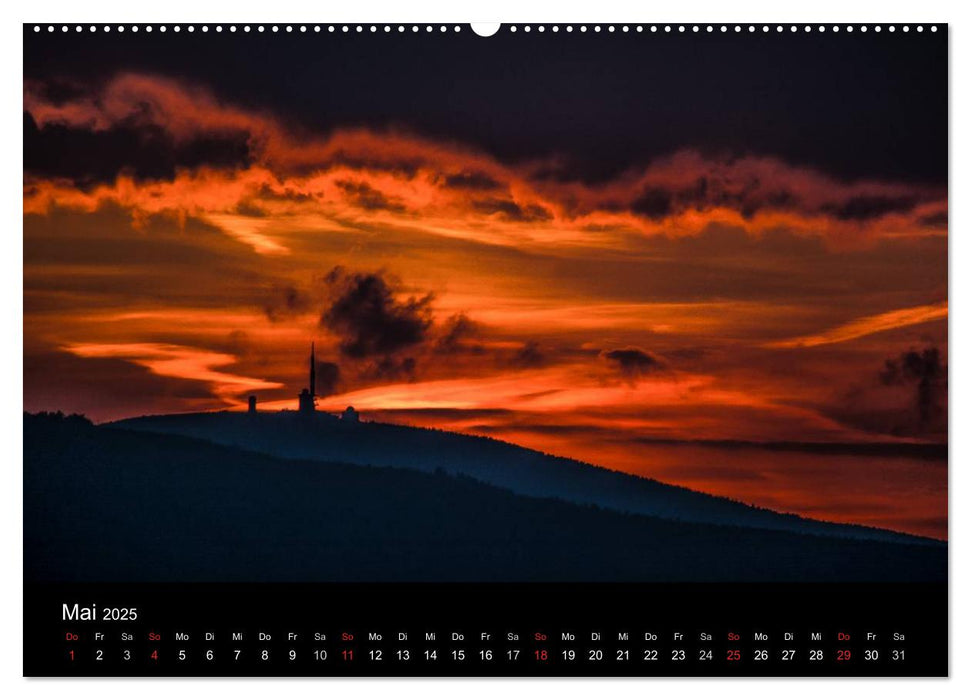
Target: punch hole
(485, 29)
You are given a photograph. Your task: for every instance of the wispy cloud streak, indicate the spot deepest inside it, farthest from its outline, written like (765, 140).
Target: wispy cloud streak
(868, 325)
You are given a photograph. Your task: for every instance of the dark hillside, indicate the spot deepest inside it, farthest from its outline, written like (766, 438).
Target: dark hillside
(523, 471)
(111, 504)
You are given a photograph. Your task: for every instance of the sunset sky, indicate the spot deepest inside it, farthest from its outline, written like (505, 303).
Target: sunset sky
(642, 251)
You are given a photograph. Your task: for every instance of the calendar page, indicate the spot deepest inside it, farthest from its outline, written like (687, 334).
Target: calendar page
(441, 350)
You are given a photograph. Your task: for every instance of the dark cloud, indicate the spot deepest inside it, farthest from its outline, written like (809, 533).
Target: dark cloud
(748, 197)
(582, 110)
(284, 301)
(367, 197)
(936, 220)
(393, 368)
(328, 378)
(512, 211)
(387, 334)
(286, 194)
(365, 312)
(906, 398)
(923, 371)
(654, 203)
(866, 208)
(144, 152)
(59, 91)
(751, 193)
(529, 355)
(633, 362)
(254, 205)
(471, 180)
(457, 330)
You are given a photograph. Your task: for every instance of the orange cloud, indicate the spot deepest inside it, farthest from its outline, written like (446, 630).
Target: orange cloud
(369, 178)
(177, 361)
(858, 328)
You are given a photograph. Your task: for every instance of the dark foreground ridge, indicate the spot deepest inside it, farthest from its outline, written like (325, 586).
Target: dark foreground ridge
(320, 436)
(106, 504)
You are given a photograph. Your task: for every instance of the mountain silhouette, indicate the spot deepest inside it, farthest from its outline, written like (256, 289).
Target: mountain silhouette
(110, 504)
(321, 436)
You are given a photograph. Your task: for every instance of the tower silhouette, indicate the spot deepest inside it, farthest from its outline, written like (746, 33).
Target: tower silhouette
(313, 370)
(308, 397)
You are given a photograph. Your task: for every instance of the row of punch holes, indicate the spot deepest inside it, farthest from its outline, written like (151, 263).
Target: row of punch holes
(415, 28)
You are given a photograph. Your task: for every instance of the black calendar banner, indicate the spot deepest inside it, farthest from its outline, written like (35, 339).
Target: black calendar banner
(466, 350)
(516, 629)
